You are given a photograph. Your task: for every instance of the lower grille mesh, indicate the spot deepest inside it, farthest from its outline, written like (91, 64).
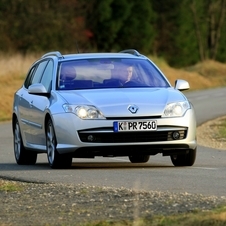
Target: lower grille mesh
(130, 137)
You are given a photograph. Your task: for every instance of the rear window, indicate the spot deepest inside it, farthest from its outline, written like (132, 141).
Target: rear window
(108, 73)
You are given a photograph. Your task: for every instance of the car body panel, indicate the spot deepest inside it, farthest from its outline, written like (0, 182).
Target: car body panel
(70, 136)
(115, 102)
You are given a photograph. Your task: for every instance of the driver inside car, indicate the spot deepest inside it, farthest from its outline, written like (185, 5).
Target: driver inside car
(126, 74)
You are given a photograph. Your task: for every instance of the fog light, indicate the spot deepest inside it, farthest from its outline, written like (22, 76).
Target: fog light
(176, 135)
(91, 138)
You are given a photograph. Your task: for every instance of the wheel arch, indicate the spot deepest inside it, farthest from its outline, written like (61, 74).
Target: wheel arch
(47, 117)
(14, 118)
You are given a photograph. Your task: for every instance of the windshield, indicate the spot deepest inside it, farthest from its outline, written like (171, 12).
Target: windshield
(108, 73)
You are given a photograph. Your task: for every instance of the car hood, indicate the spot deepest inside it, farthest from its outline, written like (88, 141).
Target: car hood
(115, 102)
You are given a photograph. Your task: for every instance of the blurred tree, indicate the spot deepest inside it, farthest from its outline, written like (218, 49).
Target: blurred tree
(41, 25)
(138, 28)
(5, 25)
(183, 32)
(221, 50)
(104, 19)
(120, 24)
(185, 38)
(190, 31)
(209, 20)
(166, 27)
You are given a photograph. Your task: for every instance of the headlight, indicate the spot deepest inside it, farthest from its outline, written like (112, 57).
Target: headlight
(176, 109)
(84, 111)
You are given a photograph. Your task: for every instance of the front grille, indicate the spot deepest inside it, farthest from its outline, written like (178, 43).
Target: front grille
(133, 118)
(130, 137)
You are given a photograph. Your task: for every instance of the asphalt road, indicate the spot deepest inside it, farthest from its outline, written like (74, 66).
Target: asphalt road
(207, 176)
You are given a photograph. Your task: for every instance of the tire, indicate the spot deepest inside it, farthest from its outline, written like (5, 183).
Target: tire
(139, 158)
(22, 156)
(54, 158)
(184, 159)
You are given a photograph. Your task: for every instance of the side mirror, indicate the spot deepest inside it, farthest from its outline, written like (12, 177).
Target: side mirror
(37, 89)
(181, 85)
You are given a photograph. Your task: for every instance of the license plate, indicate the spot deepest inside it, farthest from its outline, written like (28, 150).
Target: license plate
(135, 126)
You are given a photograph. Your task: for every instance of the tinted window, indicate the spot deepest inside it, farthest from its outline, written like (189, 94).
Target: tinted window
(109, 73)
(47, 76)
(27, 82)
(38, 73)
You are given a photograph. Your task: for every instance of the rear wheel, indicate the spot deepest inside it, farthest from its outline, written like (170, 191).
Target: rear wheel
(54, 158)
(22, 156)
(184, 159)
(139, 158)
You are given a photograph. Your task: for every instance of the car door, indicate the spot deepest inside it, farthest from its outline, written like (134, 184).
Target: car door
(38, 106)
(25, 106)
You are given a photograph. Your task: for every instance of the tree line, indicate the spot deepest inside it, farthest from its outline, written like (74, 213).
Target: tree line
(182, 32)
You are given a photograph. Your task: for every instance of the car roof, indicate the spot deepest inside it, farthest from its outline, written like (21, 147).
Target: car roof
(130, 53)
(98, 55)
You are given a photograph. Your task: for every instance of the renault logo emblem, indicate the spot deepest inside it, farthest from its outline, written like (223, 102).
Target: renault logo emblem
(133, 109)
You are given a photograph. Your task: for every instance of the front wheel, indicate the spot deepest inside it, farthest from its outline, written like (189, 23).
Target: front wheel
(54, 158)
(187, 159)
(22, 156)
(139, 158)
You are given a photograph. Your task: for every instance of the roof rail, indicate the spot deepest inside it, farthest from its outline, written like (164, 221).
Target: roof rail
(131, 51)
(55, 53)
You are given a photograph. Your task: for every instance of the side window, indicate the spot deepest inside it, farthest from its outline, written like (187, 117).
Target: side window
(47, 76)
(27, 82)
(38, 73)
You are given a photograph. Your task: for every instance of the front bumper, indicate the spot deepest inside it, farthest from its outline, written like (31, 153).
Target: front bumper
(75, 135)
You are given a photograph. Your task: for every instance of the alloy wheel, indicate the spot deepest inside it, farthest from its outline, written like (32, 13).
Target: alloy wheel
(51, 143)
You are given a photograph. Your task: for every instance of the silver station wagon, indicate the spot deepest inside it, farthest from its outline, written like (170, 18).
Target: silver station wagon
(101, 104)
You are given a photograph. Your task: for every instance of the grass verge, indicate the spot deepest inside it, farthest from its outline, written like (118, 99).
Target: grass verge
(9, 186)
(222, 129)
(215, 218)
